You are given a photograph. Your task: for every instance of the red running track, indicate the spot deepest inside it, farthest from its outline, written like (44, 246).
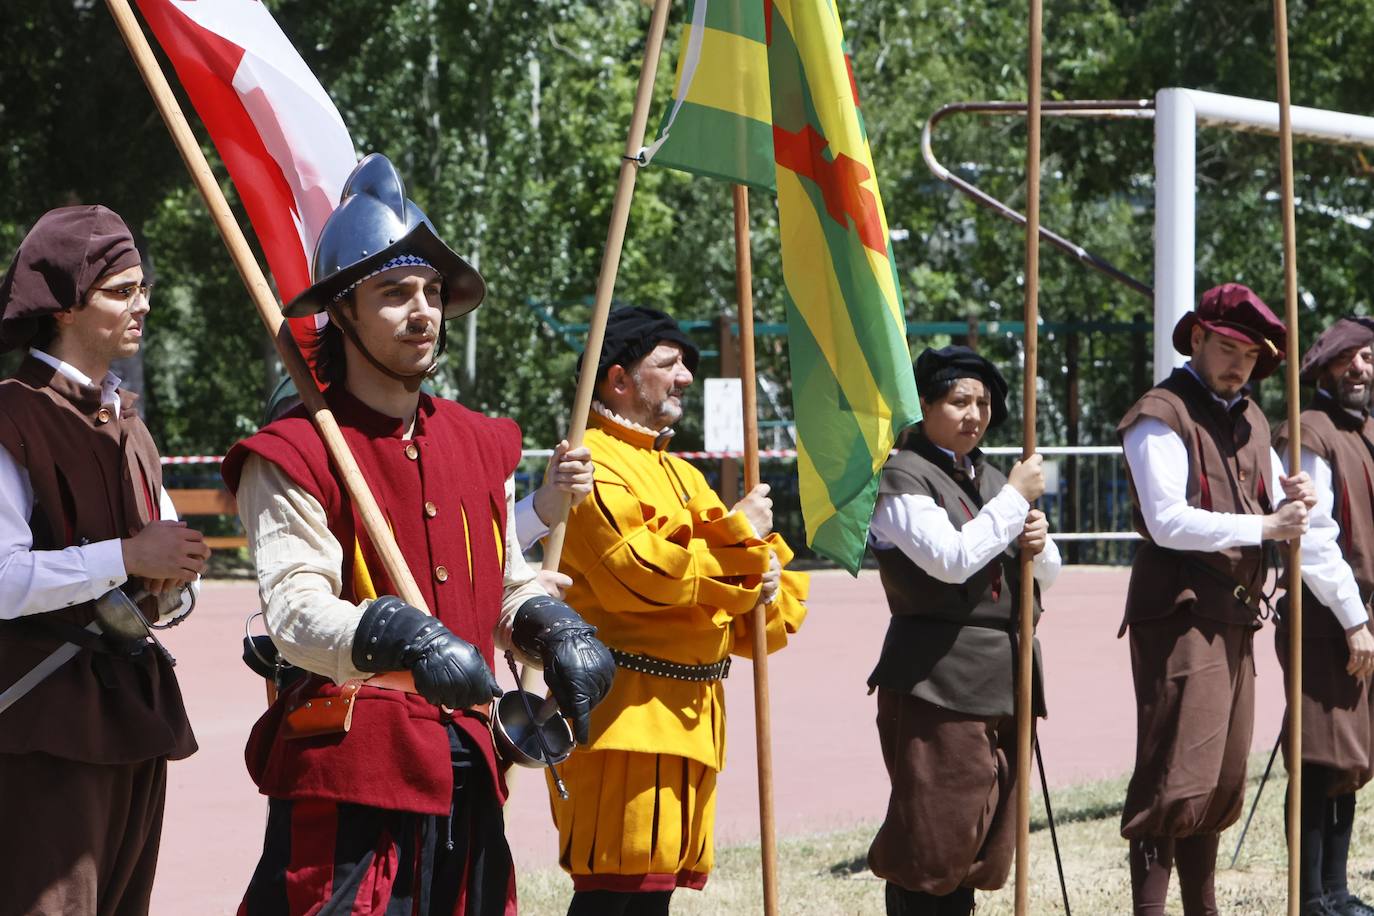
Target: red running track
(826, 763)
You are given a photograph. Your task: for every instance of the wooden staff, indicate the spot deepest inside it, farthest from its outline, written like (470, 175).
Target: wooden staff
(1290, 285)
(758, 620)
(1025, 642)
(605, 283)
(270, 312)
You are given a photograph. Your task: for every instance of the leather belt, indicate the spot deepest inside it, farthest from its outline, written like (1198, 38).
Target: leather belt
(660, 667)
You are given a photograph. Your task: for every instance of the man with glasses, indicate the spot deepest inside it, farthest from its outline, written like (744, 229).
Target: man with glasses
(84, 751)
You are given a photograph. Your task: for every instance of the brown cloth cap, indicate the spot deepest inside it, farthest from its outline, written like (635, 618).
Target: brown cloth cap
(58, 262)
(1346, 334)
(1235, 311)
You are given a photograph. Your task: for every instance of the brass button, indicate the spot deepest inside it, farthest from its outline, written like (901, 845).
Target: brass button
(431, 510)
(103, 415)
(1242, 475)
(412, 452)
(441, 573)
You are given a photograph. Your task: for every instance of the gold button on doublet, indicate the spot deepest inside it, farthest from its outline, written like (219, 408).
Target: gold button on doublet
(103, 415)
(1242, 475)
(441, 573)
(412, 452)
(431, 510)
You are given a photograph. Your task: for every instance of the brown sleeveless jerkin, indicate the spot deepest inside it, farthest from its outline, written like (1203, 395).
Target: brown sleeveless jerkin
(1337, 729)
(1190, 630)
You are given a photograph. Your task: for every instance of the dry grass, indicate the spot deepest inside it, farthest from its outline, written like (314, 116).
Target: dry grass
(825, 875)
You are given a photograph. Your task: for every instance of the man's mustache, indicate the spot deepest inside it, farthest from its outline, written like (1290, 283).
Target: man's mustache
(418, 329)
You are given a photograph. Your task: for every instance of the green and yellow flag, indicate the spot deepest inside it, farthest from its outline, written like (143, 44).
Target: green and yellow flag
(720, 123)
(852, 384)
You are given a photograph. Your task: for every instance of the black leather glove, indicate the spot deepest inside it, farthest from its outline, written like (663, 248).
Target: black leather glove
(577, 666)
(393, 636)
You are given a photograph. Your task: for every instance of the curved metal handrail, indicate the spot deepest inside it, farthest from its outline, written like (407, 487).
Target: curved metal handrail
(1107, 109)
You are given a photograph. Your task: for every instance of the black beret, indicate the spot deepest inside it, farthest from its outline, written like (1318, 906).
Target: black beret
(948, 363)
(633, 332)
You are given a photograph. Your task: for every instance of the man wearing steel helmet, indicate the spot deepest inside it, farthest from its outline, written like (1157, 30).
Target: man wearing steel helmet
(83, 752)
(401, 812)
(1206, 487)
(1338, 580)
(668, 574)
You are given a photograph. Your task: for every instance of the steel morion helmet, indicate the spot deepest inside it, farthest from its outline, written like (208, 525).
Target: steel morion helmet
(374, 223)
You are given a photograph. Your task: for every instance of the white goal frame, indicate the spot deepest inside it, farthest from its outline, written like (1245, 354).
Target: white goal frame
(1178, 114)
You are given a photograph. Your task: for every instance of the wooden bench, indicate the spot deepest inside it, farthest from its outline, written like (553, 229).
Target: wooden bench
(209, 502)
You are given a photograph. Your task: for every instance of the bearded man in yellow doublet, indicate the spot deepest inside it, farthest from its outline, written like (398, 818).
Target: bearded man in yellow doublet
(668, 575)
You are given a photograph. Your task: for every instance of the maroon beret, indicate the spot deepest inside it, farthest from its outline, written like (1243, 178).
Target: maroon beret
(1343, 336)
(1235, 311)
(61, 258)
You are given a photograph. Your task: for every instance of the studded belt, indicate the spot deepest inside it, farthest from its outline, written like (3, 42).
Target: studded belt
(648, 664)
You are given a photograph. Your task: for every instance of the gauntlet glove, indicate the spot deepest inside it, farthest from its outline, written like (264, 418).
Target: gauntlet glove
(578, 667)
(448, 671)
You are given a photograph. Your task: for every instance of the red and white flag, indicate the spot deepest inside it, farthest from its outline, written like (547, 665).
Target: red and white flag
(279, 134)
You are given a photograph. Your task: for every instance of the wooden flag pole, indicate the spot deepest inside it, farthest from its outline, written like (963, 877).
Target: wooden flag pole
(1025, 643)
(758, 620)
(1290, 285)
(270, 313)
(605, 283)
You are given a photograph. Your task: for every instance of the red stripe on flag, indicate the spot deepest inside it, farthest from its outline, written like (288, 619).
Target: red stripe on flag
(206, 64)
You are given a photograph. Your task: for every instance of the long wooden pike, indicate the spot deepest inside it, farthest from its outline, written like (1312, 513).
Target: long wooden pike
(1290, 287)
(1025, 643)
(270, 312)
(758, 620)
(605, 283)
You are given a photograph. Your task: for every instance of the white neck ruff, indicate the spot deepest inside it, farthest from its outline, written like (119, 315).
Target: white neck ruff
(606, 413)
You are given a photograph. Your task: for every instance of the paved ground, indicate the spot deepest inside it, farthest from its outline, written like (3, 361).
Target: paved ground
(826, 762)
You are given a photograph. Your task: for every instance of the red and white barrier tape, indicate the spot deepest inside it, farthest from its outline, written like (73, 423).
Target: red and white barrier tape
(528, 453)
(192, 459)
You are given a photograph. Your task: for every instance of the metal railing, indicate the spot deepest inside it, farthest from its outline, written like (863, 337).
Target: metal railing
(1087, 498)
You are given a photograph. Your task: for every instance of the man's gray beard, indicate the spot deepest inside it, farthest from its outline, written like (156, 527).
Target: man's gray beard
(1351, 401)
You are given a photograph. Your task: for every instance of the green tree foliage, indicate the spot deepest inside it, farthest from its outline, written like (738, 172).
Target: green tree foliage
(508, 121)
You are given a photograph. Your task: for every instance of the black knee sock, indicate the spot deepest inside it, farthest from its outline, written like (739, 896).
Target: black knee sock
(956, 903)
(902, 902)
(1338, 824)
(649, 903)
(599, 903)
(1311, 825)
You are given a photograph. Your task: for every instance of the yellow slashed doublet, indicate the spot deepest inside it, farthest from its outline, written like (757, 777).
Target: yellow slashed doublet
(662, 568)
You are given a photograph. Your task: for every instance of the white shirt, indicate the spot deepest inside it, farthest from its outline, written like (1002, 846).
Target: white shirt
(916, 524)
(529, 527)
(1158, 460)
(1324, 569)
(37, 581)
(299, 564)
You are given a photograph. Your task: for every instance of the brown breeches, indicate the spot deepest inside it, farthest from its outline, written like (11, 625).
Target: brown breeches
(1195, 710)
(1337, 716)
(950, 818)
(80, 839)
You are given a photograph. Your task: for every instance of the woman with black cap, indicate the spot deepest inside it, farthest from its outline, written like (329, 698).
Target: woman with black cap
(946, 531)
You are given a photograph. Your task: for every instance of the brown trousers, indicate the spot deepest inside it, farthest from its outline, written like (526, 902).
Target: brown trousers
(1337, 715)
(80, 839)
(1195, 711)
(950, 818)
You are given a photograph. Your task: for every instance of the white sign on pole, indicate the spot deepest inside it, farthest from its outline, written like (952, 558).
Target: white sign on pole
(724, 415)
